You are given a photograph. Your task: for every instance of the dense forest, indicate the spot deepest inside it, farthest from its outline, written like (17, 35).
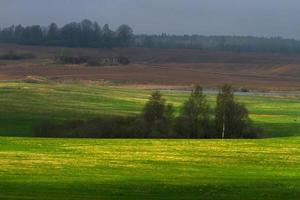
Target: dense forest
(90, 34)
(83, 34)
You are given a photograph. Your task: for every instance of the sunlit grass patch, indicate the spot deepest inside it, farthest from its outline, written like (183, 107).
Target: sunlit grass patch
(149, 169)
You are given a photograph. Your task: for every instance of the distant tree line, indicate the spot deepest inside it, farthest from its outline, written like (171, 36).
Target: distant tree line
(83, 34)
(220, 43)
(197, 119)
(90, 34)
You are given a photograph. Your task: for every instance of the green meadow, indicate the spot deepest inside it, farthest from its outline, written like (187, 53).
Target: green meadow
(89, 169)
(48, 169)
(24, 105)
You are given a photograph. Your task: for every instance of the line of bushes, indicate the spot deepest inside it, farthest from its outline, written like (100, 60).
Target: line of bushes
(92, 61)
(12, 55)
(196, 120)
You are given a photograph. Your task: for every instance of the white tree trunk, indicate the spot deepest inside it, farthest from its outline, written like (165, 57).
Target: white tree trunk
(223, 132)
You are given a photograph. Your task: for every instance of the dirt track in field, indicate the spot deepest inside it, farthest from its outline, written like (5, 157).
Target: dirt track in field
(164, 68)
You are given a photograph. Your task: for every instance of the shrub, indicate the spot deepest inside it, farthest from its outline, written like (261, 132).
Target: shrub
(93, 62)
(59, 130)
(12, 55)
(104, 127)
(72, 59)
(243, 89)
(123, 60)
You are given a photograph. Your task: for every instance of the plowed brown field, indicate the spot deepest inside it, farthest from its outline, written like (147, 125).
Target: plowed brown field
(162, 67)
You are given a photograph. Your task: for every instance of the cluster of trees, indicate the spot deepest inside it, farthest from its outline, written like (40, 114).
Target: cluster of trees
(83, 34)
(220, 43)
(196, 120)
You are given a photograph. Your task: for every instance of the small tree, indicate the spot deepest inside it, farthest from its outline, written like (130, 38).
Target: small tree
(158, 116)
(232, 118)
(194, 119)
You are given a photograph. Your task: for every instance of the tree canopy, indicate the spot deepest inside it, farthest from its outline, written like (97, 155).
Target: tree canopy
(195, 115)
(83, 34)
(232, 118)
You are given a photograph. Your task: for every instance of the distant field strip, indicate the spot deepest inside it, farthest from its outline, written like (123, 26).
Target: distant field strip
(267, 169)
(24, 105)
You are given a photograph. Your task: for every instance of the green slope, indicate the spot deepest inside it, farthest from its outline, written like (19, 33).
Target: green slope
(267, 169)
(24, 105)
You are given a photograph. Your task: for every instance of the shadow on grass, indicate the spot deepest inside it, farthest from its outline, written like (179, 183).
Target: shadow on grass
(280, 129)
(266, 189)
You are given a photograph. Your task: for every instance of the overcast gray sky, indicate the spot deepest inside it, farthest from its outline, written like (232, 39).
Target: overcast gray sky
(207, 17)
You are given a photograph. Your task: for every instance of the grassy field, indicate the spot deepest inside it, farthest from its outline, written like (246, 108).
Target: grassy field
(32, 168)
(24, 105)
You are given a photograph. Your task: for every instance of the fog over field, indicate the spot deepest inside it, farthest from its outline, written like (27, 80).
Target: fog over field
(208, 17)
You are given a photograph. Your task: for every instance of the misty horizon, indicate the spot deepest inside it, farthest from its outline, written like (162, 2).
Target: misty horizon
(271, 18)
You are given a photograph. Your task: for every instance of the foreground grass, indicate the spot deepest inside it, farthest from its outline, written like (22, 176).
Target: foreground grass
(24, 105)
(149, 169)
